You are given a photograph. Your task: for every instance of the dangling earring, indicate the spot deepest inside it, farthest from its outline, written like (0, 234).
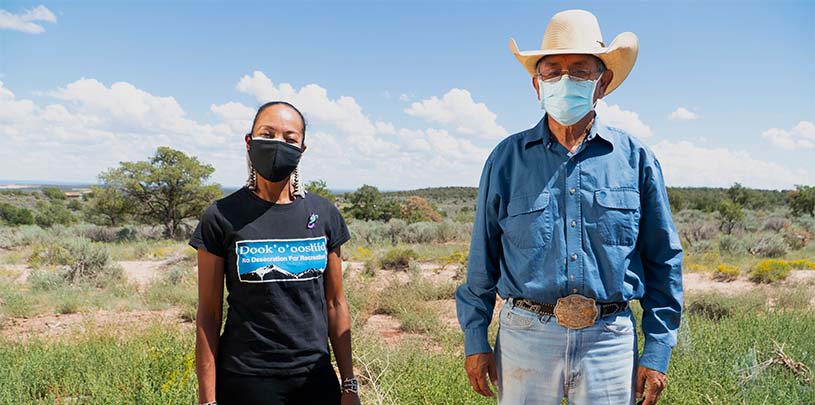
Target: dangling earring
(297, 184)
(252, 181)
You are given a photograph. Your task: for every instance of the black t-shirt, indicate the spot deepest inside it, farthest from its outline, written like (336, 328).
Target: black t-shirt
(275, 256)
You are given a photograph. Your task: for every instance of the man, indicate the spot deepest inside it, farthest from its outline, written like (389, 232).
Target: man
(572, 223)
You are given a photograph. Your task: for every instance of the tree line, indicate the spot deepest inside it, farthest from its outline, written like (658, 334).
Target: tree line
(170, 188)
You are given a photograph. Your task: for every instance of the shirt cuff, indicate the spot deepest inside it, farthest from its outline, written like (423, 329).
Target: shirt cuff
(475, 341)
(656, 356)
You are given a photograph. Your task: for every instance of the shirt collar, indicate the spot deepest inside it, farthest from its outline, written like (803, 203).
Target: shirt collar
(540, 133)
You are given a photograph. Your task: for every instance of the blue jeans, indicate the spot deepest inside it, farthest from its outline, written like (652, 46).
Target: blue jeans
(540, 362)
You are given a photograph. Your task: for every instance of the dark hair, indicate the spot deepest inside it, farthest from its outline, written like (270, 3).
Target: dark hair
(273, 103)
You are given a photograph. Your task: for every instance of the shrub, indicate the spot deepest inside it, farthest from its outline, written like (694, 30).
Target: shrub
(74, 205)
(16, 216)
(418, 209)
(369, 268)
(372, 232)
(126, 234)
(420, 232)
(53, 193)
(709, 309)
(769, 246)
(82, 260)
(49, 254)
(47, 279)
(446, 231)
(726, 273)
(398, 258)
(53, 214)
(769, 271)
(396, 230)
(458, 259)
(362, 254)
(775, 224)
(465, 215)
(802, 264)
(730, 244)
(796, 237)
(98, 233)
(22, 236)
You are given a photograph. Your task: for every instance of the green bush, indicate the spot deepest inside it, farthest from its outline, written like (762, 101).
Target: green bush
(420, 232)
(52, 214)
(82, 259)
(398, 258)
(16, 216)
(730, 244)
(22, 236)
(53, 193)
(47, 279)
(770, 271)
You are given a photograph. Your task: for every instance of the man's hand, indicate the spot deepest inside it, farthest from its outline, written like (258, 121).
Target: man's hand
(478, 366)
(652, 382)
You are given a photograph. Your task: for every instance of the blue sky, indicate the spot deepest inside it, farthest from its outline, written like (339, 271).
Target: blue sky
(398, 94)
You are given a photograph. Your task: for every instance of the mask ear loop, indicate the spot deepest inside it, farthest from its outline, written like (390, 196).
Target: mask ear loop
(594, 89)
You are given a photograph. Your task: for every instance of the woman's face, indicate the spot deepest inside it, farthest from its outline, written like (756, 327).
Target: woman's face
(278, 122)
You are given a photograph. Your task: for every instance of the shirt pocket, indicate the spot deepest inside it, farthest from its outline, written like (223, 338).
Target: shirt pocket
(618, 215)
(529, 222)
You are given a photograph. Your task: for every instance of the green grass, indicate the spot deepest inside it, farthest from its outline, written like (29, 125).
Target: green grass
(709, 365)
(155, 366)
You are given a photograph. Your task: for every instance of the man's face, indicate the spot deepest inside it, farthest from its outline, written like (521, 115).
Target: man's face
(578, 66)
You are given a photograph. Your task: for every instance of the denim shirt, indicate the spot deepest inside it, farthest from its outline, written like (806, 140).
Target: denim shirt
(596, 222)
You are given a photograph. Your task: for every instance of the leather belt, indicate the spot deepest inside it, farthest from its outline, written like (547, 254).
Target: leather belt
(574, 311)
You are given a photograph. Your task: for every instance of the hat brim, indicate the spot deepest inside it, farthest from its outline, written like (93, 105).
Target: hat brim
(618, 57)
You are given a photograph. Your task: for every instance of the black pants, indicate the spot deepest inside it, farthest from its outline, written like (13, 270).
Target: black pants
(319, 386)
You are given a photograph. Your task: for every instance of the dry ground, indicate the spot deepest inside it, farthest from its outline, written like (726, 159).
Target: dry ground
(387, 327)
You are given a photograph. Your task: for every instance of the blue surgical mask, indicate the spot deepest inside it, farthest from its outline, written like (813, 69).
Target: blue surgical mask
(567, 100)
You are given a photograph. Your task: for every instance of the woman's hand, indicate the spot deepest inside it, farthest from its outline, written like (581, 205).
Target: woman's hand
(349, 399)
(208, 321)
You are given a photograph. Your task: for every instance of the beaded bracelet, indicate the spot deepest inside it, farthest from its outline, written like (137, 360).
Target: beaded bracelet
(350, 386)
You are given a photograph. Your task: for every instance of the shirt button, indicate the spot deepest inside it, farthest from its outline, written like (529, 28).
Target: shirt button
(565, 261)
(574, 290)
(574, 256)
(572, 190)
(574, 224)
(571, 277)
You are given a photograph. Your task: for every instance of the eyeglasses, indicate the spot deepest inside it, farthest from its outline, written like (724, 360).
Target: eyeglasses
(552, 76)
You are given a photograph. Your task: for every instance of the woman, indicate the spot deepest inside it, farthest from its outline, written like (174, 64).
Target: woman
(279, 250)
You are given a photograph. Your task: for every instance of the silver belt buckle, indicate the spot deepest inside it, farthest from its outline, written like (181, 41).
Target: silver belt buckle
(576, 311)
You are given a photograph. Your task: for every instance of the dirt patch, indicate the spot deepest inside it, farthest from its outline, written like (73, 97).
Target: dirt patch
(14, 273)
(62, 326)
(141, 272)
(700, 282)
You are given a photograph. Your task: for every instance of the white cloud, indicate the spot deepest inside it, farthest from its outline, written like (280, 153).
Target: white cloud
(405, 97)
(802, 136)
(629, 121)
(26, 21)
(93, 126)
(687, 164)
(683, 114)
(344, 113)
(458, 110)
(88, 126)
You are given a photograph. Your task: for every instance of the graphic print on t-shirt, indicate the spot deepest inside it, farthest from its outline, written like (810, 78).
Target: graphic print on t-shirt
(277, 260)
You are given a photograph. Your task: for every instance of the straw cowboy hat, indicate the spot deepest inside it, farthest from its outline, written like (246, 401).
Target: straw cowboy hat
(577, 31)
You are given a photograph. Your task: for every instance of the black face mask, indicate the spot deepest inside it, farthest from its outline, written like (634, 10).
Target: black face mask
(273, 160)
